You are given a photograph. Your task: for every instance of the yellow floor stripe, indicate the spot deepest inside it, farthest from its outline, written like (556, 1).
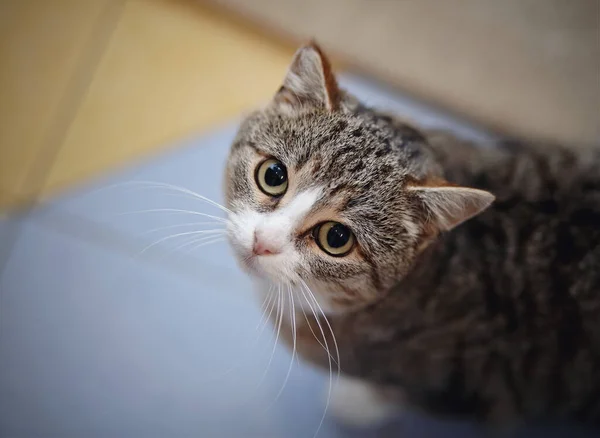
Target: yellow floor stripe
(170, 69)
(41, 45)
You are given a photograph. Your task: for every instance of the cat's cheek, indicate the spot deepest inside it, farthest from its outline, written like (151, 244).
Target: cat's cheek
(240, 232)
(279, 268)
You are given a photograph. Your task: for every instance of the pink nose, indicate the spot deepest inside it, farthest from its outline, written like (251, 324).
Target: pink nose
(262, 247)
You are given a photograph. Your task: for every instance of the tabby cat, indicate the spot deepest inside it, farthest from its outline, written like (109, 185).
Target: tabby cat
(459, 280)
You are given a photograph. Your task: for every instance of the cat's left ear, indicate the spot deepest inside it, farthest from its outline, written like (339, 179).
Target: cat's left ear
(448, 206)
(309, 81)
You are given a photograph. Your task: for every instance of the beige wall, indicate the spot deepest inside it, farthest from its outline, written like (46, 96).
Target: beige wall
(525, 67)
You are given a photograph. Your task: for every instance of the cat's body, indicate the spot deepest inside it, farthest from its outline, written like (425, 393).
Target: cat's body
(438, 297)
(499, 319)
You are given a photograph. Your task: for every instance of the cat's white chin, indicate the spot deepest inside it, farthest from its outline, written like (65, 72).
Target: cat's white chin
(275, 268)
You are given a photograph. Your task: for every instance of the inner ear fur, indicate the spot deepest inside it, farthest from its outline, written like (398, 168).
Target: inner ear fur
(449, 205)
(309, 80)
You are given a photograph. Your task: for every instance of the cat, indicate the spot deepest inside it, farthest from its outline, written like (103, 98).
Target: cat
(460, 280)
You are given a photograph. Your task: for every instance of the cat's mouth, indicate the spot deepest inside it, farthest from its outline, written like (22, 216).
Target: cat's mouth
(276, 267)
(269, 267)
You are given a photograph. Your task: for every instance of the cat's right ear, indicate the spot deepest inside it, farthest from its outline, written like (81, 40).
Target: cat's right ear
(309, 81)
(448, 206)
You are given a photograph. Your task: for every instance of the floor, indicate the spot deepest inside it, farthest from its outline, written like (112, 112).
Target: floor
(109, 327)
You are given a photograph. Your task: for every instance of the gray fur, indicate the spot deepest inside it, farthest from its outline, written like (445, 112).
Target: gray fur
(480, 320)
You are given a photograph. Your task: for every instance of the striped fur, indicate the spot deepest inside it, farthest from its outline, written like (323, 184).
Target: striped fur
(489, 312)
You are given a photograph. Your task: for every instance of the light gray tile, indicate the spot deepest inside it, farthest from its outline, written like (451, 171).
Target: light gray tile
(94, 343)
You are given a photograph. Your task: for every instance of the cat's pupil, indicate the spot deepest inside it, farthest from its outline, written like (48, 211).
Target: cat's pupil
(275, 175)
(338, 236)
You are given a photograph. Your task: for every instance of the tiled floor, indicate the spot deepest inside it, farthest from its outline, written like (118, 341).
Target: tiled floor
(104, 336)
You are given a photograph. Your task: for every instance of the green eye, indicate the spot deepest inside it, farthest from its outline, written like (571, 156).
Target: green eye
(334, 238)
(271, 177)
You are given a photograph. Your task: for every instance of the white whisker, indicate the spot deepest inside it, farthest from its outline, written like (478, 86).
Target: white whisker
(205, 243)
(311, 329)
(188, 224)
(312, 295)
(174, 210)
(269, 305)
(182, 190)
(172, 236)
(265, 306)
(279, 321)
(293, 322)
(194, 241)
(329, 360)
(330, 387)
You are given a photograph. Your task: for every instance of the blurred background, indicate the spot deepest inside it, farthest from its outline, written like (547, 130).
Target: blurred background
(116, 323)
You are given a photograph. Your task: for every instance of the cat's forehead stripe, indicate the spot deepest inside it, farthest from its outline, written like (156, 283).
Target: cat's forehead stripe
(302, 203)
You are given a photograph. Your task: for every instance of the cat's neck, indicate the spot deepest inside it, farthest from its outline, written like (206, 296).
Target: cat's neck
(447, 276)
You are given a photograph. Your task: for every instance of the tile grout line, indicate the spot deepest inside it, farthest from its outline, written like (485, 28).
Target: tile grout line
(38, 173)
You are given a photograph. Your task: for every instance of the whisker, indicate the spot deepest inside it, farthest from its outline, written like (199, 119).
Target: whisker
(265, 305)
(206, 243)
(293, 322)
(173, 210)
(188, 224)
(192, 241)
(271, 303)
(195, 240)
(312, 295)
(266, 321)
(275, 321)
(330, 387)
(182, 190)
(172, 236)
(279, 321)
(312, 331)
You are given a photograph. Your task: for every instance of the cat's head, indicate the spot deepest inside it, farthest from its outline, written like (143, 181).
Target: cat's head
(326, 191)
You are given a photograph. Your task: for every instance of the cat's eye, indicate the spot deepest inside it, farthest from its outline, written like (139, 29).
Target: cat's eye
(271, 177)
(334, 238)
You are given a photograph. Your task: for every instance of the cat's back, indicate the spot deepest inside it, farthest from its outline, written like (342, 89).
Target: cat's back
(531, 265)
(509, 301)
(547, 206)
(548, 194)
(542, 234)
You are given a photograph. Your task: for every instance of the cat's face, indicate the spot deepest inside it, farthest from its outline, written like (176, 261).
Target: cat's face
(324, 192)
